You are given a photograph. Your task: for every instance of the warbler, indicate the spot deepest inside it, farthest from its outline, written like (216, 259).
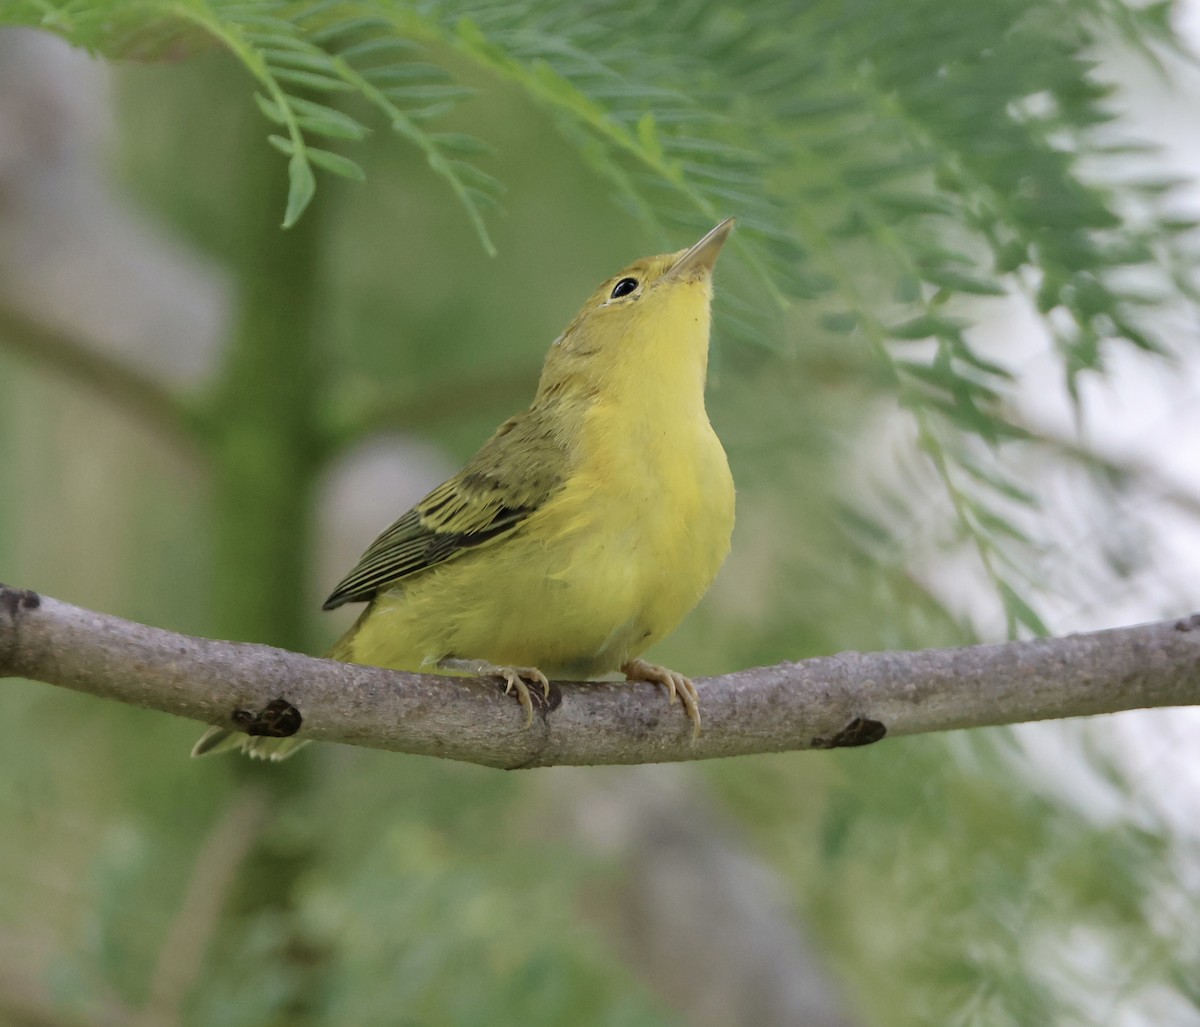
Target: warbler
(584, 530)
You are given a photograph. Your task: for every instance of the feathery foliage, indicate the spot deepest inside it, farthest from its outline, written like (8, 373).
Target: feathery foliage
(890, 165)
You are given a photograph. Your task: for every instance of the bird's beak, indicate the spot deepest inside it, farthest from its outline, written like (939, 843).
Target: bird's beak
(701, 258)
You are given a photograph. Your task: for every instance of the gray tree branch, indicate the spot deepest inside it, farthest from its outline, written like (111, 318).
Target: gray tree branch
(825, 702)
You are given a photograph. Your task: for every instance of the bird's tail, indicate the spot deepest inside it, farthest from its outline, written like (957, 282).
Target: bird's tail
(227, 739)
(259, 747)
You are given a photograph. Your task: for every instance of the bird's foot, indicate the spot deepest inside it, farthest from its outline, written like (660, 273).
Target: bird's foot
(674, 683)
(514, 680)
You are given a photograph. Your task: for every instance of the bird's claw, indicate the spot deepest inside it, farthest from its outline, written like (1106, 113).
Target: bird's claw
(514, 681)
(676, 685)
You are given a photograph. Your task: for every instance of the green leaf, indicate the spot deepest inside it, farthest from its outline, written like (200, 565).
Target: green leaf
(1020, 612)
(925, 326)
(806, 285)
(270, 108)
(716, 173)
(1162, 184)
(461, 143)
(1138, 337)
(350, 26)
(409, 72)
(261, 14)
(312, 80)
(908, 289)
(840, 323)
(1048, 294)
(301, 186)
(713, 151)
(279, 59)
(993, 523)
(1178, 225)
(960, 281)
(647, 136)
(1002, 485)
(382, 45)
(483, 199)
(872, 173)
(474, 176)
(936, 374)
(801, 107)
(326, 121)
(1011, 256)
(426, 93)
(336, 163)
(431, 112)
(327, 159)
(964, 352)
(277, 40)
(906, 202)
(1089, 296)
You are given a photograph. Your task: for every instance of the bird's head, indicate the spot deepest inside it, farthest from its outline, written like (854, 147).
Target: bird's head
(648, 321)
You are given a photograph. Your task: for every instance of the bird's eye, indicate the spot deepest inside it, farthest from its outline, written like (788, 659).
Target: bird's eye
(624, 287)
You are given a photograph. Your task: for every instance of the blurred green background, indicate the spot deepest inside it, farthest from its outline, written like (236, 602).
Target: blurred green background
(889, 163)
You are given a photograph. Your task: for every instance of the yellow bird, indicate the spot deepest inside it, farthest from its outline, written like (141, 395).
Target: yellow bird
(584, 530)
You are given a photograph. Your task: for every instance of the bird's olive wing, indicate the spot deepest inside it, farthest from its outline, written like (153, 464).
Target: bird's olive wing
(517, 470)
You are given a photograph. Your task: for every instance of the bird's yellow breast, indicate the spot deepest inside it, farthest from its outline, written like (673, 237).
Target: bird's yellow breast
(661, 520)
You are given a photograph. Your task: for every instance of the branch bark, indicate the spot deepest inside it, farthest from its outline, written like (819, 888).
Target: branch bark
(825, 702)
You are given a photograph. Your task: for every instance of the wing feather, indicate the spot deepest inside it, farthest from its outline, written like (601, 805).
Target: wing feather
(521, 466)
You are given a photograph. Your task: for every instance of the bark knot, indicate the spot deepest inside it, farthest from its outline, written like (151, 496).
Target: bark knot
(15, 601)
(278, 719)
(860, 731)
